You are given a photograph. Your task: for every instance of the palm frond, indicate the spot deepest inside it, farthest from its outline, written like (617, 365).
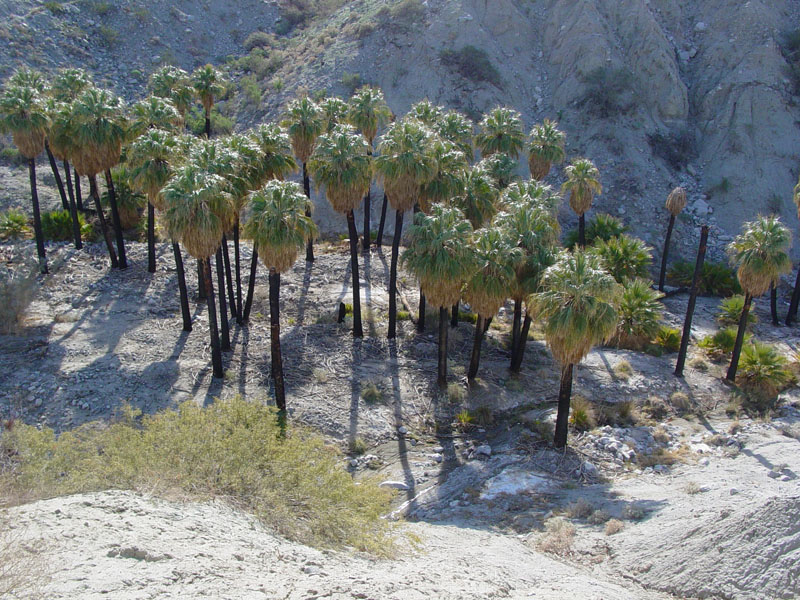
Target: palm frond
(546, 148)
(368, 111)
(583, 183)
(304, 121)
(341, 163)
(500, 130)
(760, 254)
(149, 160)
(23, 113)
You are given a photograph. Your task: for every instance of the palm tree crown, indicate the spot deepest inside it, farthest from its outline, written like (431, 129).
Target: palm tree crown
(23, 113)
(761, 254)
(368, 111)
(500, 130)
(501, 167)
(583, 182)
(479, 197)
(405, 162)
(457, 129)
(491, 283)
(451, 165)
(153, 113)
(546, 148)
(335, 112)
(69, 83)
(304, 121)
(173, 84)
(275, 150)
(26, 77)
(341, 163)
(149, 159)
(98, 128)
(425, 112)
(208, 84)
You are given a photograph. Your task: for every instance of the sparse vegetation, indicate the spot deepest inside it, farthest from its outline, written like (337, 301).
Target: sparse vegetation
(680, 402)
(57, 226)
(580, 509)
(730, 311)
(558, 537)
(716, 279)
(614, 526)
(17, 287)
(582, 415)
(676, 148)
(623, 370)
(720, 343)
(609, 92)
(371, 393)
(472, 63)
(669, 338)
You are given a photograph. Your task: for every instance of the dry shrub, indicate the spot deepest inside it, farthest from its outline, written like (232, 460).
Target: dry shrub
(680, 402)
(614, 526)
(581, 509)
(599, 517)
(581, 414)
(558, 537)
(22, 569)
(656, 408)
(623, 370)
(17, 288)
(634, 512)
(661, 435)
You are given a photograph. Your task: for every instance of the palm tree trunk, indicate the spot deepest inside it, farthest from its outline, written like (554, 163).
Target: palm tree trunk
(112, 199)
(307, 190)
(519, 352)
(773, 304)
(487, 324)
(68, 173)
(251, 284)
(208, 125)
(454, 315)
(95, 194)
(562, 418)
(228, 278)
(151, 238)
(78, 196)
(37, 217)
(515, 327)
(795, 300)
(57, 175)
(398, 231)
(581, 238)
(442, 375)
(184, 293)
(421, 313)
(367, 224)
(351, 227)
(237, 260)
(475, 359)
(216, 353)
(223, 308)
(687, 324)
(275, 338)
(663, 277)
(201, 286)
(73, 210)
(737, 348)
(379, 238)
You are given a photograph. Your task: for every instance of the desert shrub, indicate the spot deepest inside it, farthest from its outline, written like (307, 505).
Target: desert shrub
(55, 8)
(580, 509)
(17, 287)
(581, 414)
(639, 315)
(655, 408)
(601, 227)
(371, 393)
(365, 28)
(598, 517)
(614, 526)
(763, 371)
(357, 446)
(467, 317)
(57, 226)
(483, 416)
(251, 89)
(403, 315)
(259, 39)
(351, 82)
(558, 538)
(730, 311)
(721, 343)
(233, 449)
(669, 338)
(472, 63)
(624, 257)
(676, 148)
(609, 92)
(634, 512)
(680, 402)
(13, 225)
(108, 36)
(403, 15)
(10, 156)
(716, 279)
(464, 419)
(618, 414)
(456, 393)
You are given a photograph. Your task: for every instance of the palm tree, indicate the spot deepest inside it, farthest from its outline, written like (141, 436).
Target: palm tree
(341, 162)
(208, 85)
(58, 144)
(23, 114)
(367, 112)
(404, 164)
(796, 292)
(279, 227)
(197, 211)
(439, 255)
(457, 129)
(578, 306)
(491, 283)
(760, 254)
(425, 112)
(583, 182)
(276, 161)
(304, 122)
(335, 112)
(502, 169)
(545, 149)
(500, 130)
(173, 84)
(676, 202)
(478, 200)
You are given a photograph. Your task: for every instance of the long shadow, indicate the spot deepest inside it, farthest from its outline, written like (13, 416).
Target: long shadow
(244, 355)
(301, 304)
(397, 403)
(355, 395)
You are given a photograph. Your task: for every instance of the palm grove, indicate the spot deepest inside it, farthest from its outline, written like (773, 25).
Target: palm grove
(479, 235)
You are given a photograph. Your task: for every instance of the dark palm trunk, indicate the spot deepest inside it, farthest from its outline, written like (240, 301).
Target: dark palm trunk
(454, 315)
(151, 238)
(515, 327)
(487, 324)
(421, 313)
(208, 125)
(73, 210)
(475, 359)
(737, 348)
(237, 264)
(663, 277)
(95, 194)
(687, 324)
(251, 284)
(398, 231)
(379, 238)
(795, 300)
(37, 218)
(564, 396)
(57, 175)
(519, 352)
(581, 240)
(367, 224)
(216, 353)
(70, 189)
(275, 338)
(184, 293)
(223, 308)
(307, 190)
(112, 199)
(201, 286)
(442, 375)
(231, 295)
(773, 304)
(78, 196)
(351, 227)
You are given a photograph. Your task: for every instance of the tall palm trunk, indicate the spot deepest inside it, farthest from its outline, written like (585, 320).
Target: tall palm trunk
(773, 304)
(737, 348)
(216, 353)
(275, 338)
(421, 313)
(379, 238)
(581, 238)
(95, 194)
(442, 371)
(231, 295)
(454, 315)
(795, 300)
(78, 195)
(57, 175)
(37, 218)
(223, 309)
(73, 209)
(564, 396)
(68, 173)
(351, 227)
(112, 199)
(208, 125)
(151, 238)
(519, 352)
(516, 325)
(237, 260)
(201, 286)
(663, 277)
(184, 293)
(307, 190)
(687, 324)
(367, 224)
(251, 284)
(398, 232)
(475, 359)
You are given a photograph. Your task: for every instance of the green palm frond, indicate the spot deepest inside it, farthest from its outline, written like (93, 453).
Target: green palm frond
(760, 254)
(578, 305)
(624, 257)
(494, 278)
(439, 255)
(640, 313)
(149, 160)
(25, 77)
(478, 201)
(334, 112)
(502, 168)
(166, 79)
(208, 84)
(153, 113)
(341, 163)
(246, 175)
(500, 130)
(58, 135)
(277, 223)
(545, 149)
(534, 193)
(23, 114)
(583, 182)
(304, 122)
(457, 129)
(275, 149)
(425, 112)
(69, 83)
(451, 166)
(98, 127)
(368, 111)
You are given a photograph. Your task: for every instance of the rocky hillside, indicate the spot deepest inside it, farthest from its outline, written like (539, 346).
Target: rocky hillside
(657, 92)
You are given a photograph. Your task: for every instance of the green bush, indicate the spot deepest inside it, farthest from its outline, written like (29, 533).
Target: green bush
(601, 227)
(232, 449)
(609, 92)
(716, 279)
(108, 35)
(639, 314)
(668, 338)
(220, 124)
(371, 393)
(403, 15)
(251, 90)
(259, 39)
(722, 342)
(351, 82)
(129, 203)
(10, 156)
(581, 414)
(763, 372)
(55, 8)
(472, 63)
(624, 257)
(57, 226)
(13, 225)
(730, 311)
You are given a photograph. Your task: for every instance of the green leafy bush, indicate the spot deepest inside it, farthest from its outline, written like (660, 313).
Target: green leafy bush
(402, 16)
(129, 203)
(601, 227)
(351, 82)
(716, 279)
(730, 311)
(472, 63)
(722, 342)
(639, 314)
(624, 257)
(669, 338)
(259, 39)
(763, 372)
(57, 226)
(13, 225)
(220, 124)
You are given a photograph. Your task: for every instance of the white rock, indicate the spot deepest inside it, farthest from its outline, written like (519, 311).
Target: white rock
(397, 485)
(485, 449)
(402, 430)
(700, 27)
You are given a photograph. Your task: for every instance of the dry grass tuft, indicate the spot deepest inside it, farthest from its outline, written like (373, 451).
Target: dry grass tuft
(599, 517)
(558, 537)
(623, 370)
(580, 509)
(614, 526)
(17, 288)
